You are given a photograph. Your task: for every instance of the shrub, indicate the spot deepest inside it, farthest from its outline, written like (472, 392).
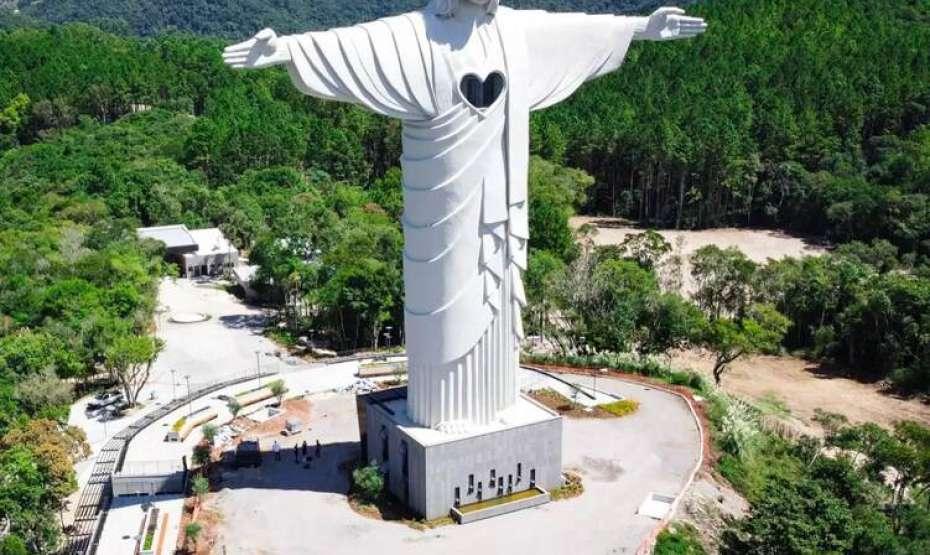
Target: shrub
(368, 483)
(572, 486)
(621, 408)
(200, 487)
(209, 433)
(13, 545)
(679, 539)
(201, 456)
(278, 389)
(192, 532)
(739, 429)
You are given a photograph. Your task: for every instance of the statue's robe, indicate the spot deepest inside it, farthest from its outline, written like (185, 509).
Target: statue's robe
(465, 176)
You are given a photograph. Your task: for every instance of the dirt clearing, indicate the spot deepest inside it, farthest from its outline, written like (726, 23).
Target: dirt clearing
(798, 386)
(759, 245)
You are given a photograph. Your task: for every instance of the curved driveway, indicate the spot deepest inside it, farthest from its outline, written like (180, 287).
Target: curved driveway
(282, 509)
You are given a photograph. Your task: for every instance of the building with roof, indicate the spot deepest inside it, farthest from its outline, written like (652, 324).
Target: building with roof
(198, 252)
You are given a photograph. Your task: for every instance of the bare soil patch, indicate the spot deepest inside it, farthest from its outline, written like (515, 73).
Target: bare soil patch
(759, 245)
(800, 387)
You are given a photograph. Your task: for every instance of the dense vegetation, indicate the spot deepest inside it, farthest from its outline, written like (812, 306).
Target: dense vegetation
(805, 114)
(238, 18)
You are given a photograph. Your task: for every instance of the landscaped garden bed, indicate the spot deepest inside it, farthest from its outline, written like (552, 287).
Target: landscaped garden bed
(573, 409)
(150, 529)
(183, 426)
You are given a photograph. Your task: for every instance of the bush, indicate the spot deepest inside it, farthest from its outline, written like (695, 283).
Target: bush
(368, 483)
(621, 408)
(192, 532)
(679, 539)
(13, 545)
(620, 362)
(201, 456)
(200, 487)
(209, 433)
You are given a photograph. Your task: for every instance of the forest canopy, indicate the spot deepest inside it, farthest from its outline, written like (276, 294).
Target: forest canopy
(810, 115)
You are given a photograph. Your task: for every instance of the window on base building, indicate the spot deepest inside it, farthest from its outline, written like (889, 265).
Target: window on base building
(458, 496)
(471, 483)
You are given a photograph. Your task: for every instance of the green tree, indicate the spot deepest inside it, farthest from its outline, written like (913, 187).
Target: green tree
(646, 249)
(209, 433)
(234, 407)
(794, 517)
(761, 330)
(669, 323)
(129, 360)
(724, 279)
(192, 533)
(13, 545)
(200, 487)
(202, 455)
(555, 192)
(278, 389)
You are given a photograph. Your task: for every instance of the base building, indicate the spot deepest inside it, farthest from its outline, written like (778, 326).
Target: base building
(434, 471)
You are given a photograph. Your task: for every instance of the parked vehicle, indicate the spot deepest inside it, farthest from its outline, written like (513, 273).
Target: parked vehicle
(105, 399)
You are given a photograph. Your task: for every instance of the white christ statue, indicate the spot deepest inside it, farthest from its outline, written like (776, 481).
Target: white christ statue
(463, 76)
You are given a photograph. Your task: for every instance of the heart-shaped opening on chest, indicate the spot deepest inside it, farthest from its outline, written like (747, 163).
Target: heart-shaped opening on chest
(482, 94)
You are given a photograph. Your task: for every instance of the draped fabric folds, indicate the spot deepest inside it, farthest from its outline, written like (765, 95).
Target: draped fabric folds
(465, 176)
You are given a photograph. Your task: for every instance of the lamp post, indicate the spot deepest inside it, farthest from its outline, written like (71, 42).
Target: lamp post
(174, 388)
(190, 410)
(258, 365)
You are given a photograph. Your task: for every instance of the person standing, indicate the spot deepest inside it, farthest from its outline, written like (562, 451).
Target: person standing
(276, 449)
(319, 448)
(304, 448)
(296, 454)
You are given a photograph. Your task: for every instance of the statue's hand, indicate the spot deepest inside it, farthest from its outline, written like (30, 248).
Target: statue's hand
(671, 24)
(264, 50)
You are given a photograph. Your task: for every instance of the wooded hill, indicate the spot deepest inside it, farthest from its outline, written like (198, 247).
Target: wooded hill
(238, 18)
(808, 114)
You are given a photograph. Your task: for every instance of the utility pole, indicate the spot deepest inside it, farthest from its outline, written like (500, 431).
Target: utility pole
(258, 365)
(174, 388)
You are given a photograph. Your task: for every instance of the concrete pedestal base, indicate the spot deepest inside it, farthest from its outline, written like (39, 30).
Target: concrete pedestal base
(433, 471)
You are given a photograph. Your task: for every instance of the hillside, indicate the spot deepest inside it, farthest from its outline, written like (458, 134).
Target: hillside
(238, 18)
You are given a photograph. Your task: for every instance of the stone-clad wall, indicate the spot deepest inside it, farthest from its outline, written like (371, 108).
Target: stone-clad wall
(434, 471)
(534, 446)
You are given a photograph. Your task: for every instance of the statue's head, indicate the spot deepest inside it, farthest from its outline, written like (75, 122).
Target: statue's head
(447, 8)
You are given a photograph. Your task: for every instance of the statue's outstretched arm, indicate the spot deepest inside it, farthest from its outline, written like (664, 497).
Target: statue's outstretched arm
(568, 49)
(668, 24)
(377, 65)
